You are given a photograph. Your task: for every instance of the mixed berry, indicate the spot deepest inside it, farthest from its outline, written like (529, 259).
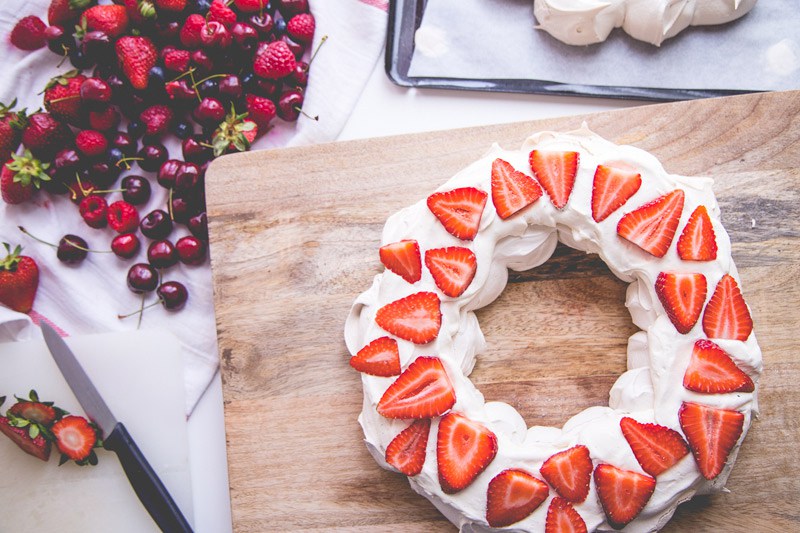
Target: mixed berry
(214, 74)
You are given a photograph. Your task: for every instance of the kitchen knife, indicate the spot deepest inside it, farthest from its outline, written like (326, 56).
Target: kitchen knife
(145, 482)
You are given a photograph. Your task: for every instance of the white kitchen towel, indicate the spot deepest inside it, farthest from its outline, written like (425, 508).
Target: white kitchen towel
(88, 298)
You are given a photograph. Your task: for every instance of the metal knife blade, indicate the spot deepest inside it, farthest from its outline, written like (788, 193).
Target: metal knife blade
(83, 388)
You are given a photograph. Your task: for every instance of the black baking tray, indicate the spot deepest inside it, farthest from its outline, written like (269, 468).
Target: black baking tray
(405, 17)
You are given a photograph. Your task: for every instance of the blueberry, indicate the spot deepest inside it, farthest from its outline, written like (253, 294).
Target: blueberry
(114, 155)
(79, 60)
(136, 128)
(201, 6)
(280, 27)
(182, 130)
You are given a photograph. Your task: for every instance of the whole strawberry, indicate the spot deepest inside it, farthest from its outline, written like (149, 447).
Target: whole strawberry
(274, 61)
(62, 97)
(11, 125)
(44, 135)
(21, 176)
(28, 33)
(138, 10)
(137, 55)
(110, 19)
(19, 279)
(65, 13)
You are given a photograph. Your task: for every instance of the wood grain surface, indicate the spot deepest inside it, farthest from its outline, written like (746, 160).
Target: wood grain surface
(294, 239)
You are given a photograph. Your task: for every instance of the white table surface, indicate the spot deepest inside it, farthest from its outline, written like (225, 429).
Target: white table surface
(383, 109)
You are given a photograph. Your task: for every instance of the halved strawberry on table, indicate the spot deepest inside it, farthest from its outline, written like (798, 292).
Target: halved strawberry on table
(712, 433)
(569, 472)
(726, 315)
(622, 493)
(683, 296)
(415, 318)
(464, 448)
(453, 268)
(556, 172)
(563, 518)
(698, 242)
(513, 495)
(459, 210)
(75, 437)
(403, 258)
(423, 390)
(711, 370)
(652, 226)
(407, 451)
(380, 357)
(614, 184)
(512, 190)
(656, 447)
(34, 411)
(37, 446)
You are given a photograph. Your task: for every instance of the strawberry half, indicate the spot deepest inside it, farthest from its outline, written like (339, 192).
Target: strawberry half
(712, 433)
(563, 518)
(712, 371)
(75, 438)
(459, 210)
(569, 472)
(513, 494)
(726, 315)
(453, 268)
(683, 296)
(623, 493)
(415, 318)
(407, 450)
(422, 391)
(378, 358)
(464, 448)
(512, 190)
(37, 412)
(403, 258)
(698, 242)
(652, 226)
(657, 448)
(37, 447)
(613, 186)
(556, 172)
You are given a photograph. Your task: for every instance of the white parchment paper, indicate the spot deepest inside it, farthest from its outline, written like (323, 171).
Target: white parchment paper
(485, 39)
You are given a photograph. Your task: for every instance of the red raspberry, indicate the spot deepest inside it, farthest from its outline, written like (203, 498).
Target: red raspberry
(123, 217)
(91, 143)
(176, 60)
(191, 30)
(261, 110)
(220, 12)
(250, 6)
(28, 34)
(105, 120)
(157, 119)
(274, 61)
(301, 28)
(94, 210)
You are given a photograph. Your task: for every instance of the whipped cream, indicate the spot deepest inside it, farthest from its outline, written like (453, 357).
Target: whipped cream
(650, 391)
(581, 22)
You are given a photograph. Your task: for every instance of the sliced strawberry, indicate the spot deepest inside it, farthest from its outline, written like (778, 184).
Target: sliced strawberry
(563, 518)
(378, 358)
(34, 411)
(403, 258)
(415, 318)
(652, 226)
(406, 452)
(683, 296)
(556, 172)
(512, 191)
(452, 268)
(726, 315)
(513, 494)
(656, 447)
(712, 433)
(712, 371)
(464, 448)
(698, 241)
(569, 472)
(75, 438)
(623, 493)
(459, 210)
(37, 447)
(613, 186)
(422, 391)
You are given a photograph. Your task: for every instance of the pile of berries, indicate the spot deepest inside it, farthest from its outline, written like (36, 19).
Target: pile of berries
(212, 73)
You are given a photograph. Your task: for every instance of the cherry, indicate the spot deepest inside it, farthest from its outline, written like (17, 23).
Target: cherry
(162, 254)
(182, 208)
(125, 245)
(142, 278)
(215, 35)
(167, 30)
(202, 61)
(95, 93)
(135, 189)
(72, 249)
(124, 142)
(180, 91)
(300, 74)
(292, 7)
(103, 173)
(191, 250)
(187, 176)
(152, 156)
(297, 49)
(168, 172)
(96, 47)
(208, 88)
(156, 224)
(230, 87)
(120, 89)
(262, 23)
(104, 119)
(194, 150)
(67, 161)
(289, 105)
(80, 60)
(173, 295)
(245, 36)
(59, 41)
(261, 86)
(198, 226)
(209, 111)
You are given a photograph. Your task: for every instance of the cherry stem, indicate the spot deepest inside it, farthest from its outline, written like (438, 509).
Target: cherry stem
(65, 98)
(125, 160)
(105, 191)
(73, 244)
(140, 310)
(187, 73)
(321, 42)
(206, 145)
(169, 205)
(300, 110)
(208, 78)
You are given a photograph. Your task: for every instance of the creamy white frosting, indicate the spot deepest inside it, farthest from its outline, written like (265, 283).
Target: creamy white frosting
(650, 390)
(581, 22)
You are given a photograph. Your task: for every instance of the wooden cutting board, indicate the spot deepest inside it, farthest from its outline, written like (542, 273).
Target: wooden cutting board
(294, 239)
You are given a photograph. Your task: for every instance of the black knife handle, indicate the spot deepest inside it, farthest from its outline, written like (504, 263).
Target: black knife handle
(145, 482)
